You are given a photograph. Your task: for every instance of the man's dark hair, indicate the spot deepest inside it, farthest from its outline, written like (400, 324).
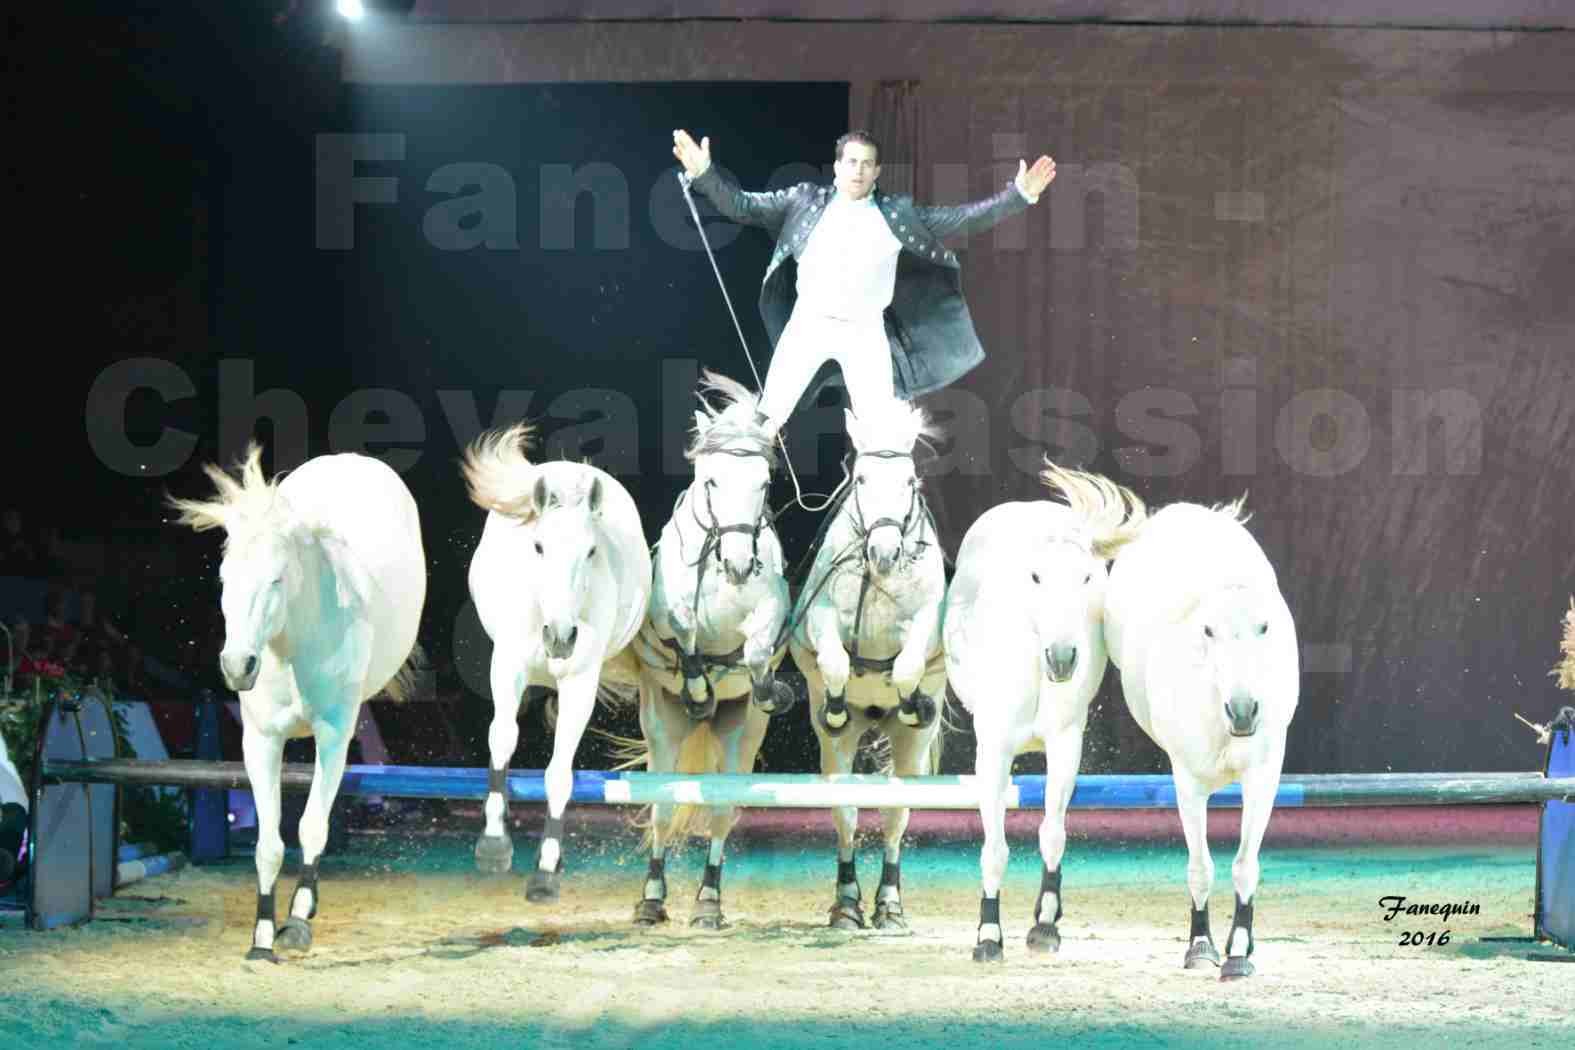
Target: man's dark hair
(858, 136)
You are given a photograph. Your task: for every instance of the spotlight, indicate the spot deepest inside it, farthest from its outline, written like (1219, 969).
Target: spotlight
(351, 9)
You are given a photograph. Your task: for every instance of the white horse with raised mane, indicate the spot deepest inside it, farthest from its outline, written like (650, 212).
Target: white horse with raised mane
(1025, 654)
(1210, 668)
(867, 636)
(324, 579)
(560, 579)
(13, 814)
(714, 635)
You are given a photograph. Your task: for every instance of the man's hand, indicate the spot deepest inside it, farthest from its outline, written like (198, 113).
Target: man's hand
(695, 159)
(1032, 181)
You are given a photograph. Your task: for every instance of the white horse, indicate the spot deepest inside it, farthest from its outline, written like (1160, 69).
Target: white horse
(1210, 669)
(13, 813)
(1025, 654)
(324, 578)
(560, 579)
(867, 636)
(714, 634)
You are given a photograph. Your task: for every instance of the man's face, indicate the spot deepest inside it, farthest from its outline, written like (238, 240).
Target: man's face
(857, 170)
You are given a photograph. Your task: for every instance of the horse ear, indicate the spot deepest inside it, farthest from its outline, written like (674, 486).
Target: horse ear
(539, 494)
(593, 499)
(851, 421)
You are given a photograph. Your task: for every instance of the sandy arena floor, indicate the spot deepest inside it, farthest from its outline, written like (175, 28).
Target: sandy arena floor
(412, 948)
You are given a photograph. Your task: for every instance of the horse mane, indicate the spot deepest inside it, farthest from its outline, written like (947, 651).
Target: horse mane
(244, 504)
(1116, 515)
(498, 473)
(1234, 510)
(893, 423)
(732, 424)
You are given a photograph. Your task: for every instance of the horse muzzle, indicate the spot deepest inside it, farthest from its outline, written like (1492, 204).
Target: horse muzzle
(239, 670)
(742, 573)
(1241, 715)
(1060, 663)
(559, 643)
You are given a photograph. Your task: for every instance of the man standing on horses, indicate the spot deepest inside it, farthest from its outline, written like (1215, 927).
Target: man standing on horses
(876, 291)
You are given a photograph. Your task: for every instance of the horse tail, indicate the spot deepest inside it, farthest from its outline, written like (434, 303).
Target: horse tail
(701, 752)
(406, 682)
(1566, 669)
(619, 685)
(1116, 513)
(498, 473)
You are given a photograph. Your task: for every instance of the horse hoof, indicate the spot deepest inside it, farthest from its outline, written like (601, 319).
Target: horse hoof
(889, 918)
(262, 955)
(833, 721)
(707, 916)
(988, 951)
(542, 886)
(294, 935)
(917, 712)
(1044, 938)
(778, 699)
(847, 915)
(699, 710)
(494, 854)
(650, 913)
(1201, 954)
(1236, 967)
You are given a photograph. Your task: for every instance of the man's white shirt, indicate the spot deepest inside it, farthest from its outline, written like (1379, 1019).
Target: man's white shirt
(849, 267)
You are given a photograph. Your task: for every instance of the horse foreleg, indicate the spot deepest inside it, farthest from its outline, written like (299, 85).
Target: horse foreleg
(264, 754)
(918, 706)
(836, 757)
(741, 727)
(664, 728)
(910, 757)
(992, 771)
(494, 849)
(1192, 802)
(1258, 788)
(576, 702)
(333, 746)
(823, 626)
(1063, 755)
(761, 629)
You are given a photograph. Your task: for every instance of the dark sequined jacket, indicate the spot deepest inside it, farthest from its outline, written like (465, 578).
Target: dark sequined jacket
(928, 327)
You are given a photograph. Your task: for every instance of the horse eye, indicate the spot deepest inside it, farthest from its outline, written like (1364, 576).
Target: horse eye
(1208, 632)
(538, 547)
(710, 483)
(1087, 578)
(1034, 576)
(592, 554)
(1263, 629)
(859, 480)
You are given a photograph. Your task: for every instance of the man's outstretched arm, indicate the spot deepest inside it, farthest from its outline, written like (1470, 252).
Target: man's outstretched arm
(976, 216)
(750, 209)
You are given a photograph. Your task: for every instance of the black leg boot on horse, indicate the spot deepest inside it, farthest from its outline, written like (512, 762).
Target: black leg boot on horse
(708, 900)
(1044, 937)
(295, 933)
(848, 911)
(888, 898)
(1200, 943)
(652, 909)
(1238, 946)
(542, 886)
(495, 853)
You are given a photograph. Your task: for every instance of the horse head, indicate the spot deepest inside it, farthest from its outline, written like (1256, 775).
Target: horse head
(566, 544)
(1063, 583)
(1068, 573)
(733, 454)
(887, 505)
(1238, 646)
(260, 570)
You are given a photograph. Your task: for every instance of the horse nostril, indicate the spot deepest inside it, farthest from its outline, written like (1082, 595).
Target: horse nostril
(574, 632)
(251, 665)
